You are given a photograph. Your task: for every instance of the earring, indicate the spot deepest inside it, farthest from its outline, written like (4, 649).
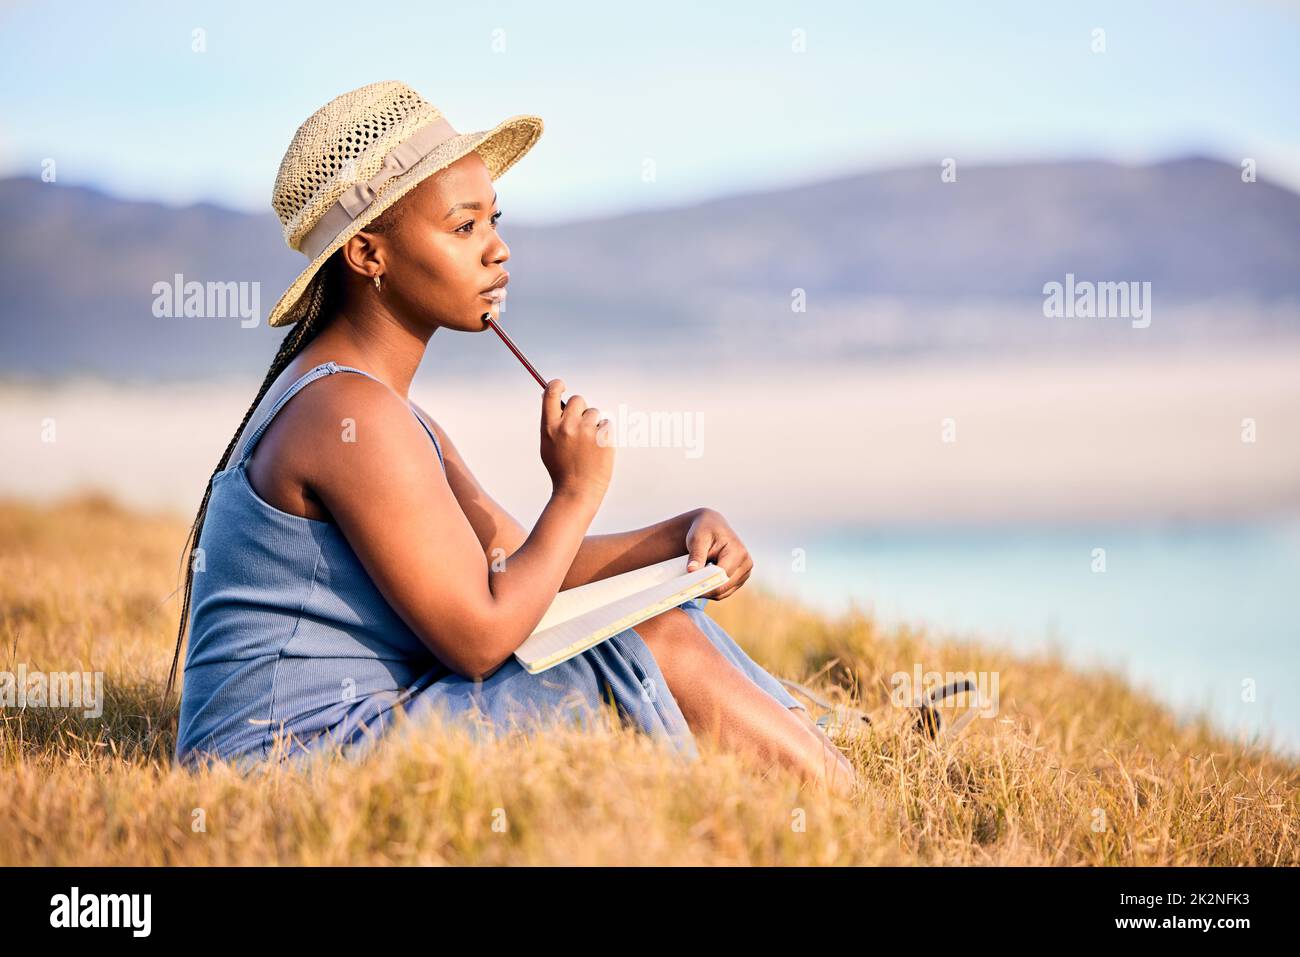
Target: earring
(377, 286)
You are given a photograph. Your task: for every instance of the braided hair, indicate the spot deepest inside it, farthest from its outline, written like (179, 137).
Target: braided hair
(298, 336)
(324, 299)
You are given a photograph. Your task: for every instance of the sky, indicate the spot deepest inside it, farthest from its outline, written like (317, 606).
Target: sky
(721, 100)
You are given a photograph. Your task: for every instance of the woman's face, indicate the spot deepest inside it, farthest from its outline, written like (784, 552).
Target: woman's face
(444, 252)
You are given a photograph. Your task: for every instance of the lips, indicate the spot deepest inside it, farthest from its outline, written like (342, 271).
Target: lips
(496, 293)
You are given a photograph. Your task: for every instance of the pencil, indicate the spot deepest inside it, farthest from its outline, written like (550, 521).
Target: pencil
(487, 317)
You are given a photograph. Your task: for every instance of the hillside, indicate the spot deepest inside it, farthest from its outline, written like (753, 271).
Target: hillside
(1076, 768)
(890, 263)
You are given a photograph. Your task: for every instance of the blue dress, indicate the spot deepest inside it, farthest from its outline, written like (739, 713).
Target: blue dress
(292, 645)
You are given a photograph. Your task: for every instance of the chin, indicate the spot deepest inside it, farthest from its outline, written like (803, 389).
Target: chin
(472, 321)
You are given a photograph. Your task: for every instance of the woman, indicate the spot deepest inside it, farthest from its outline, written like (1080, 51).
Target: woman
(346, 561)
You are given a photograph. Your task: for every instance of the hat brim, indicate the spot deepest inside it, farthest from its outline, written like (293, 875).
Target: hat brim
(500, 148)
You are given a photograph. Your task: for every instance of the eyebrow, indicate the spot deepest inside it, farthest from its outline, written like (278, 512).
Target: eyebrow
(469, 206)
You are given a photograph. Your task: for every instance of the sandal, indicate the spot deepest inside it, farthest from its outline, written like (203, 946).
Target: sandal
(929, 720)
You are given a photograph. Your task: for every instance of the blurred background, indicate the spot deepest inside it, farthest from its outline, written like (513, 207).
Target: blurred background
(800, 254)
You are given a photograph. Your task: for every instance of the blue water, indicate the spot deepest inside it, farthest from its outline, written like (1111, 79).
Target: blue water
(1191, 612)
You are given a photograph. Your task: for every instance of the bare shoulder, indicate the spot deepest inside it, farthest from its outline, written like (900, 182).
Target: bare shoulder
(336, 438)
(428, 419)
(449, 451)
(354, 420)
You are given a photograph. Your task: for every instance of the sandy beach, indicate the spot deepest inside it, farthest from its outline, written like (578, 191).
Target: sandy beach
(1058, 440)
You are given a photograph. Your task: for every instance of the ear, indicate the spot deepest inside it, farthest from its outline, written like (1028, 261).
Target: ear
(364, 255)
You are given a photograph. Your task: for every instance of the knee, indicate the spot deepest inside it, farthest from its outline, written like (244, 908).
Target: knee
(671, 633)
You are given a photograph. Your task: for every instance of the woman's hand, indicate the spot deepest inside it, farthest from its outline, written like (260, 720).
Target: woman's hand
(575, 443)
(710, 537)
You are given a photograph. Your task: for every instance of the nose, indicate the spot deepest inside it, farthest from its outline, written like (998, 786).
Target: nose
(496, 252)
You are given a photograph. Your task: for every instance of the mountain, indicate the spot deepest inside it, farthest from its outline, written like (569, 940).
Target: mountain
(889, 262)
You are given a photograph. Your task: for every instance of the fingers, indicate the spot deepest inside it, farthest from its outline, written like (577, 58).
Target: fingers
(574, 408)
(738, 565)
(574, 411)
(582, 418)
(551, 410)
(699, 551)
(729, 586)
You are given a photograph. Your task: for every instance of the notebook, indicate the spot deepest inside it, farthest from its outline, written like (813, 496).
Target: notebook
(583, 617)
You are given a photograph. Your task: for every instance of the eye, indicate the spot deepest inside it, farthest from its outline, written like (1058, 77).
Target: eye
(470, 223)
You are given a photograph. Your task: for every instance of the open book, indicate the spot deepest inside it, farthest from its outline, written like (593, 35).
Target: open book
(582, 617)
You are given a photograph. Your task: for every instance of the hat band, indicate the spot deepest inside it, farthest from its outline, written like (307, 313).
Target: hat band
(357, 199)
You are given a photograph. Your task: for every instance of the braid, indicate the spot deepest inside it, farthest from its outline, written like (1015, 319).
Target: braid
(323, 300)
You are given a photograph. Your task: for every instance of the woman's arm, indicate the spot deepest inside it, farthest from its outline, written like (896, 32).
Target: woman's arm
(603, 556)
(496, 529)
(701, 532)
(599, 556)
(384, 489)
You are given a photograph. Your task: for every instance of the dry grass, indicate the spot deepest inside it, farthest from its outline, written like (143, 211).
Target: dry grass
(1075, 769)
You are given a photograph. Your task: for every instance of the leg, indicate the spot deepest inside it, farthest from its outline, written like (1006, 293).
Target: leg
(807, 719)
(621, 670)
(722, 704)
(750, 668)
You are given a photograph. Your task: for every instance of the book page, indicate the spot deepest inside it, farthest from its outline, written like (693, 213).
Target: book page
(573, 602)
(547, 648)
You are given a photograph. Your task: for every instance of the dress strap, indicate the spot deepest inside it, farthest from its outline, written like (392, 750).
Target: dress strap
(309, 376)
(335, 367)
(324, 369)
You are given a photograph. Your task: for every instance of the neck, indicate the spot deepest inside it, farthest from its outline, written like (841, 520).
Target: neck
(378, 343)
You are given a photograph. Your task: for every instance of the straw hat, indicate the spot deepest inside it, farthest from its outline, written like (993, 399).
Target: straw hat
(359, 154)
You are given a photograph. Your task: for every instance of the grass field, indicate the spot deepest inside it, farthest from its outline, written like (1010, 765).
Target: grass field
(1074, 769)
